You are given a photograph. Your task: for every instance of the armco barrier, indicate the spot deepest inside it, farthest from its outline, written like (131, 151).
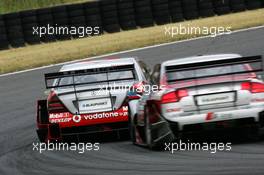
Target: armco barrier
(16, 29)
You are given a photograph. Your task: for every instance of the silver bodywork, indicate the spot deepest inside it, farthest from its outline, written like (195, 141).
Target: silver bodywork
(246, 104)
(219, 99)
(95, 90)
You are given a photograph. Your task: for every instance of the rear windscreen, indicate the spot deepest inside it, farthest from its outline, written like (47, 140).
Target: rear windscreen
(97, 78)
(205, 71)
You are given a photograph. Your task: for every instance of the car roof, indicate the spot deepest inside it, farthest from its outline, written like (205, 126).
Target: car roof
(199, 59)
(97, 64)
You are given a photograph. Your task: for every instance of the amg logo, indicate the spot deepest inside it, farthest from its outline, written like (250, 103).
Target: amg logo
(94, 104)
(215, 99)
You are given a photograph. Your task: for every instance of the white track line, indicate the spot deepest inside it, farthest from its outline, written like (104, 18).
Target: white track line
(126, 51)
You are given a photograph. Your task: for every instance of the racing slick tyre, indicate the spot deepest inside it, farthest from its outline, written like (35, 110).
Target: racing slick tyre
(253, 133)
(42, 119)
(42, 135)
(132, 131)
(159, 143)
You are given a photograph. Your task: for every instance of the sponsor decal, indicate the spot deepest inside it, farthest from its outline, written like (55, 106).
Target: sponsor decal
(60, 120)
(225, 116)
(258, 100)
(59, 115)
(94, 104)
(67, 117)
(173, 110)
(210, 116)
(125, 108)
(76, 118)
(104, 115)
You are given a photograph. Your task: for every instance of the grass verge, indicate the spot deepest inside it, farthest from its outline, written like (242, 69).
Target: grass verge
(7, 6)
(51, 53)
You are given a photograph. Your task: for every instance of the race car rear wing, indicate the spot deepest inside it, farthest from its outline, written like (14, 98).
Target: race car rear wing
(252, 64)
(51, 77)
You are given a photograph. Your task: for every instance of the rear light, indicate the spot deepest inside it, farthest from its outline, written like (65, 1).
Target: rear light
(54, 103)
(253, 87)
(174, 96)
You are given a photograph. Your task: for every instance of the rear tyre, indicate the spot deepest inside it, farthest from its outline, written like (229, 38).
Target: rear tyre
(43, 119)
(148, 135)
(42, 135)
(254, 133)
(132, 132)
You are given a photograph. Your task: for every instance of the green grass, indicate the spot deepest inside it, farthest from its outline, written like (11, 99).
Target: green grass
(7, 6)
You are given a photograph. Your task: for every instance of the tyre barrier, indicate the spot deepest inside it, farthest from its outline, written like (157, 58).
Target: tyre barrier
(190, 9)
(143, 11)
(29, 21)
(175, 9)
(76, 17)
(45, 18)
(14, 29)
(60, 19)
(237, 5)
(221, 7)
(3, 35)
(93, 16)
(253, 4)
(206, 8)
(161, 13)
(126, 14)
(109, 16)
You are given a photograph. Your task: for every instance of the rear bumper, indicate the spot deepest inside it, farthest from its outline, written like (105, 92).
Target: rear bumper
(83, 130)
(53, 132)
(251, 115)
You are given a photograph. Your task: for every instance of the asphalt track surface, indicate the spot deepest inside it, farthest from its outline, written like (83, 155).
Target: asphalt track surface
(19, 92)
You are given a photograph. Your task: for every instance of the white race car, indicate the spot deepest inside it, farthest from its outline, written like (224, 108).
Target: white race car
(200, 93)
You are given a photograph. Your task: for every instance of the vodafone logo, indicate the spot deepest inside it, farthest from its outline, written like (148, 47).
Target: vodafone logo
(76, 118)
